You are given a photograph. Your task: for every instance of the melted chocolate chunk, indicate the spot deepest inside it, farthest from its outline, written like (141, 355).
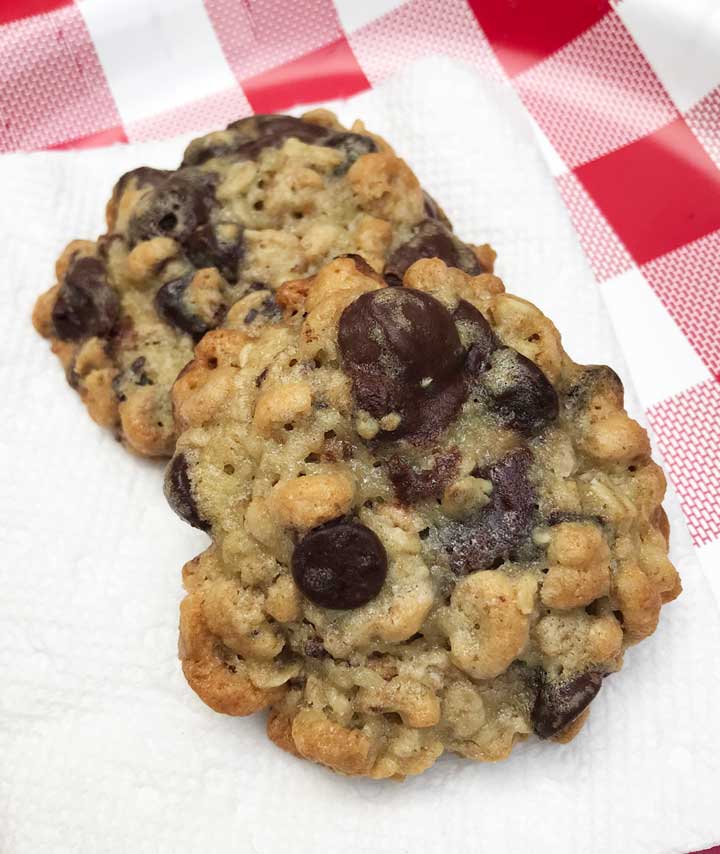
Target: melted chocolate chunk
(267, 310)
(522, 397)
(175, 208)
(403, 354)
(403, 334)
(246, 138)
(361, 265)
(477, 337)
(558, 703)
(427, 412)
(172, 307)
(434, 211)
(86, 304)
(431, 240)
(415, 484)
(488, 537)
(340, 565)
(144, 176)
(593, 380)
(206, 248)
(353, 145)
(179, 495)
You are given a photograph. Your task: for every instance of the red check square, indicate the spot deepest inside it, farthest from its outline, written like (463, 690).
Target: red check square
(658, 193)
(13, 10)
(330, 72)
(523, 32)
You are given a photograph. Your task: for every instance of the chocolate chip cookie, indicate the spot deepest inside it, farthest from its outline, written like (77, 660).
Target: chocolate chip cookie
(431, 529)
(268, 199)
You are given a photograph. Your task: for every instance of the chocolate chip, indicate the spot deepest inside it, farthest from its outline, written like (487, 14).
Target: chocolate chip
(558, 703)
(413, 484)
(179, 495)
(353, 145)
(205, 247)
(476, 336)
(86, 304)
(434, 211)
(143, 176)
(520, 394)
(488, 537)
(246, 138)
(267, 310)
(361, 265)
(404, 334)
(175, 208)
(431, 240)
(172, 307)
(340, 565)
(427, 412)
(594, 379)
(403, 354)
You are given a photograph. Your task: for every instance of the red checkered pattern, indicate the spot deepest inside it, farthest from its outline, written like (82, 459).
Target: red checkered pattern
(688, 284)
(688, 431)
(636, 136)
(602, 247)
(704, 120)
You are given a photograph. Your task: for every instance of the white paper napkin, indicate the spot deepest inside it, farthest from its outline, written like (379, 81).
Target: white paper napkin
(103, 748)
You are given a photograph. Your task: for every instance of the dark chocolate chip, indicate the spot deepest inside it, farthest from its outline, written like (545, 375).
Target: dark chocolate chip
(593, 380)
(431, 240)
(488, 537)
(434, 211)
(86, 304)
(340, 565)
(179, 494)
(353, 145)
(427, 412)
(558, 703)
(404, 334)
(143, 176)
(361, 265)
(403, 354)
(205, 247)
(520, 394)
(172, 307)
(174, 208)
(476, 336)
(413, 484)
(246, 138)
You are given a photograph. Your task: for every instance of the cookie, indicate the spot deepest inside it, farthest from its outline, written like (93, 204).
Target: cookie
(431, 529)
(268, 199)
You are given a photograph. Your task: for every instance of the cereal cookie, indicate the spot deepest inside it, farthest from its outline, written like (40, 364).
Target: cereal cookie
(268, 199)
(432, 530)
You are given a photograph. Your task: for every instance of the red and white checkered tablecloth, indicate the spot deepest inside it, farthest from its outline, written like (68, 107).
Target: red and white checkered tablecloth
(624, 96)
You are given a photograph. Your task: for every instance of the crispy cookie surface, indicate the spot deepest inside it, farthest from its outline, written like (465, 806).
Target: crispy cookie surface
(432, 530)
(268, 199)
